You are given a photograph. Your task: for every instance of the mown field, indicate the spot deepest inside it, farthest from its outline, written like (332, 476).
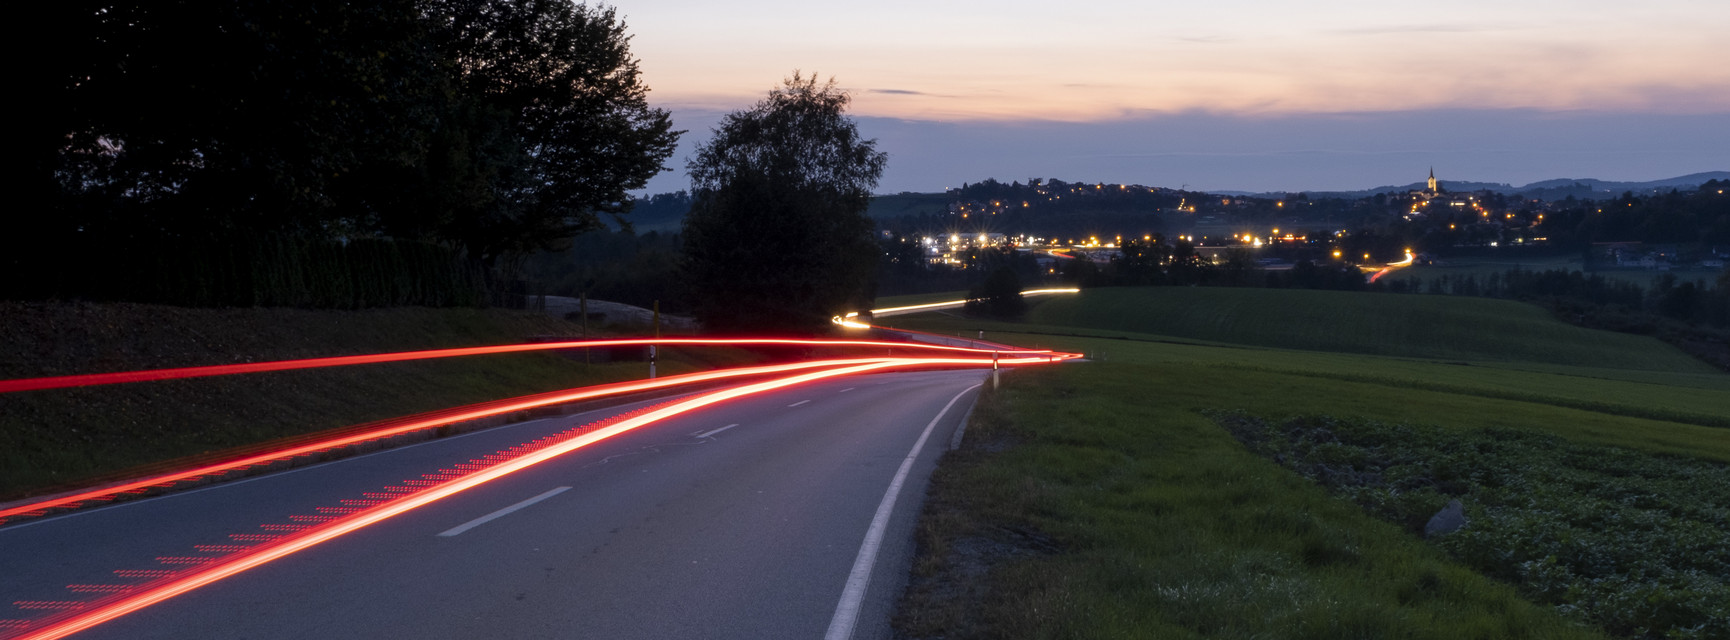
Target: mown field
(1113, 498)
(1421, 326)
(1481, 268)
(56, 437)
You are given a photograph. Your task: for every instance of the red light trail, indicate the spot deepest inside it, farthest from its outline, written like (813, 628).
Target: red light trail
(91, 379)
(194, 572)
(411, 424)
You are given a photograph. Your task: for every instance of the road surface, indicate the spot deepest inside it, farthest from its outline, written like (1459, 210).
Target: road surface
(742, 520)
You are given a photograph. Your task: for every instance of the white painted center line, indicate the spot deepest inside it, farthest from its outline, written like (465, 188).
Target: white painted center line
(797, 403)
(706, 434)
(847, 389)
(459, 529)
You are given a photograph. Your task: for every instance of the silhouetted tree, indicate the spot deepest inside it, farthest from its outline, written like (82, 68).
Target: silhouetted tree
(777, 237)
(493, 126)
(1140, 262)
(999, 296)
(559, 127)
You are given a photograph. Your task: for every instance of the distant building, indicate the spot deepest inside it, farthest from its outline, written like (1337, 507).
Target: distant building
(1432, 188)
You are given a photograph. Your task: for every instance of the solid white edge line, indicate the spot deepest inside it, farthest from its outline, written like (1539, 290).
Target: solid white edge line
(961, 429)
(847, 610)
(706, 434)
(459, 529)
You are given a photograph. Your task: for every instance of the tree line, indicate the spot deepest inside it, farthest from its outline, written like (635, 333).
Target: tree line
(482, 129)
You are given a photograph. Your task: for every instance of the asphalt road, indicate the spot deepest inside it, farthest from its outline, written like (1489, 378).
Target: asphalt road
(742, 520)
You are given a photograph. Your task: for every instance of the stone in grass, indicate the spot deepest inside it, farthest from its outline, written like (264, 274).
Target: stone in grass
(1446, 521)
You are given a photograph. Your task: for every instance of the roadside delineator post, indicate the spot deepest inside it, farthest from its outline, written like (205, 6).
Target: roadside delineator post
(583, 308)
(652, 353)
(993, 369)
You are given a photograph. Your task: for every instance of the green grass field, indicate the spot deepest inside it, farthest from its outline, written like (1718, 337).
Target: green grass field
(886, 302)
(1105, 496)
(1419, 326)
(1482, 267)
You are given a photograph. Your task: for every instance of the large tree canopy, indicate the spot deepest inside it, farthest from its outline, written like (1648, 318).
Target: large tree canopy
(777, 237)
(559, 80)
(493, 126)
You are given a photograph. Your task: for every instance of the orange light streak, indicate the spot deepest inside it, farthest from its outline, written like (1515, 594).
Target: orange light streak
(952, 303)
(92, 379)
(356, 518)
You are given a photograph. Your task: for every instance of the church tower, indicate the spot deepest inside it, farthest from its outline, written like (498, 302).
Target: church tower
(1432, 186)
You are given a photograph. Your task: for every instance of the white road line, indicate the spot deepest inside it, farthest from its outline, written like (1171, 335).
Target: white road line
(847, 611)
(797, 403)
(847, 389)
(459, 529)
(706, 434)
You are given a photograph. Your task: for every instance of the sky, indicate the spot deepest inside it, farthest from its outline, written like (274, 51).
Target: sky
(1248, 95)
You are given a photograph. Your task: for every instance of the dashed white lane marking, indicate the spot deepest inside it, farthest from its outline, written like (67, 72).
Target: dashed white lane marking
(706, 434)
(459, 529)
(847, 389)
(847, 611)
(797, 403)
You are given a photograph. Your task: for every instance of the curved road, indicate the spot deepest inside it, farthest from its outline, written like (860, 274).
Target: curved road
(743, 520)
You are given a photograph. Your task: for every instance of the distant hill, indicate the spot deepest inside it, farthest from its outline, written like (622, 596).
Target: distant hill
(907, 203)
(1555, 189)
(664, 212)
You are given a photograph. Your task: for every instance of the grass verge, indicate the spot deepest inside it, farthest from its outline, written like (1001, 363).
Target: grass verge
(58, 437)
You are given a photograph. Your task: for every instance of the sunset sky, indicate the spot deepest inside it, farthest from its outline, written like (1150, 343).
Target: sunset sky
(1230, 94)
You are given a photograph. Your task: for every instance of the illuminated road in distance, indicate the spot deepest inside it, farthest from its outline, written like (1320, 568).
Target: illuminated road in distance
(745, 519)
(850, 320)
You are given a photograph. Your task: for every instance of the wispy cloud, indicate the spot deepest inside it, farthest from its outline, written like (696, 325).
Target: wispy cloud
(1205, 39)
(1394, 29)
(898, 92)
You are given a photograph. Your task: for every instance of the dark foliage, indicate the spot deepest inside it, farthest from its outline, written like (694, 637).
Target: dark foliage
(777, 238)
(1309, 275)
(491, 127)
(616, 266)
(998, 297)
